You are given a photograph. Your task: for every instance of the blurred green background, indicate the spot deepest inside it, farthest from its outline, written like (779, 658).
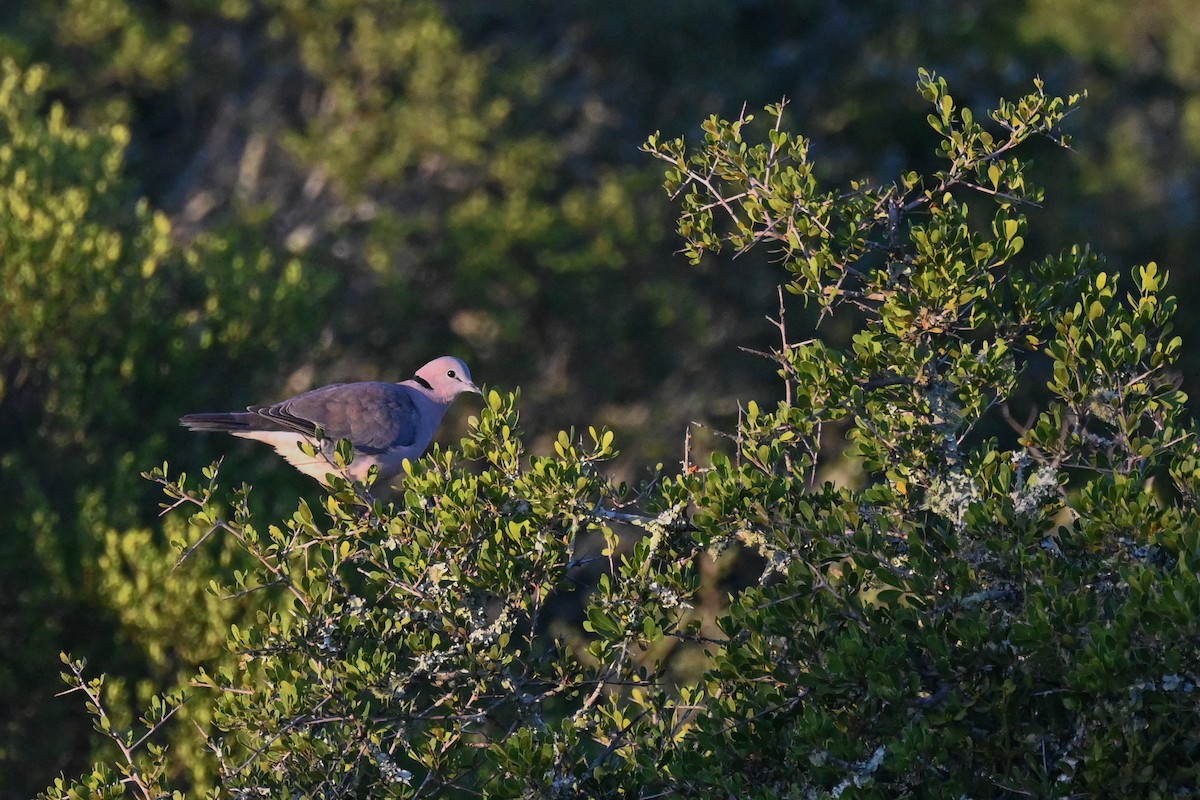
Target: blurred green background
(208, 203)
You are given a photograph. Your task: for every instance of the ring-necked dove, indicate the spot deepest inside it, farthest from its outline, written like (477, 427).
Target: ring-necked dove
(385, 422)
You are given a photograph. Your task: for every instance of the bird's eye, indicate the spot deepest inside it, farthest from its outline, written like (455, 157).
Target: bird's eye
(451, 374)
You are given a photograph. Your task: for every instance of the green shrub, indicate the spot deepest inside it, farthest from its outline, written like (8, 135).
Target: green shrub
(104, 322)
(977, 613)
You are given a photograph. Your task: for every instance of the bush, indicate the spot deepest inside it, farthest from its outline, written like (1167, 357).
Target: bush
(973, 612)
(104, 319)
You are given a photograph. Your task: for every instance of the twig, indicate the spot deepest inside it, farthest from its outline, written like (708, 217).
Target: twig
(617, 739)
(134, 775)
(781, 325)
(187, 553)
(888, 380)
(1019, 428)
(687, 450)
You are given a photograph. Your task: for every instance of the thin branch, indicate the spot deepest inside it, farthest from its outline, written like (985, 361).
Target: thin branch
(1025, 201)
(617, 739)
(151, 731)
(1019, 428)
(187, 553)
(781, 325)
(888, 380)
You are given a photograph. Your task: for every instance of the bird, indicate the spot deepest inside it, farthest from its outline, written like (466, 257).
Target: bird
(385, 423)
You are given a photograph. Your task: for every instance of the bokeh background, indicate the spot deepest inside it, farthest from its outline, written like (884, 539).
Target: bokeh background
(355, 186)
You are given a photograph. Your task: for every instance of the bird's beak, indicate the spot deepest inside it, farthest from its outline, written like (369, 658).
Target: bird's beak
(471, 387)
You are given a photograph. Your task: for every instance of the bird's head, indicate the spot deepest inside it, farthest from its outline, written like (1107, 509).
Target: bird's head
(445, 378)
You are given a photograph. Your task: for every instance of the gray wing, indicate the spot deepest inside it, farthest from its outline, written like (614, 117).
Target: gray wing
(375, 417)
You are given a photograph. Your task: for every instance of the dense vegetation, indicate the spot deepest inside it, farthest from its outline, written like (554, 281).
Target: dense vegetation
(344, 189)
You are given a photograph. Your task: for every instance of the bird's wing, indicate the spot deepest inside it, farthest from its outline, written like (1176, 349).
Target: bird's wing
(375, 417)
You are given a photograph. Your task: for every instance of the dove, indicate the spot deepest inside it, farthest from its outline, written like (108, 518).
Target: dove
(386, 423)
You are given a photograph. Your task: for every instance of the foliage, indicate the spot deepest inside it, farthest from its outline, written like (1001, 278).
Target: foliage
(978, 620)
(464, 175)
(445, 184)
(471, 170)
(101, 314)
(985, 615)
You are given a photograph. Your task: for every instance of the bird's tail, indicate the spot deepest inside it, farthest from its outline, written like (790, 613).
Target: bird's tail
(223, 421)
